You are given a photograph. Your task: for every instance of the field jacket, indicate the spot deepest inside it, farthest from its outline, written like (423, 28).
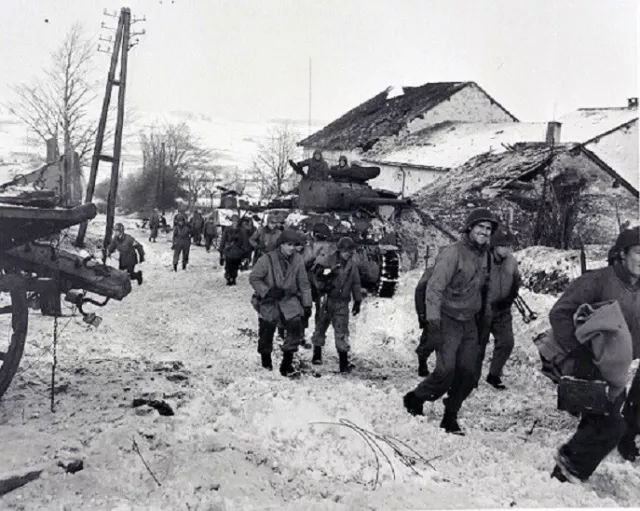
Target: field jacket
(127, 247)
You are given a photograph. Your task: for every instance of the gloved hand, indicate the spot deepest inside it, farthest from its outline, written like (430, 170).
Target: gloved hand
(422, 321)
(275, 293)
(434, 326)
(356, 308)
(307, 313)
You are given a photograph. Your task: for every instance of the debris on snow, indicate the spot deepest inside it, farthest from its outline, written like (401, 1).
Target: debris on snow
(12, 480)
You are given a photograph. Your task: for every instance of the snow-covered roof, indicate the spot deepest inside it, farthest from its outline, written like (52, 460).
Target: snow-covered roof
(587, 123)
(449, 144)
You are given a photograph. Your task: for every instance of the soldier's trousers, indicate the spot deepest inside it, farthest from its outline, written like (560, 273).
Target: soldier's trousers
(231, 267)
(184, 250)
(426, 346)
(456, 358)
(631, 408)
(130, 269)
(208, 241)
(502, 330)
(597, 436)
(335, 313)
(154, 233)
(267, 329)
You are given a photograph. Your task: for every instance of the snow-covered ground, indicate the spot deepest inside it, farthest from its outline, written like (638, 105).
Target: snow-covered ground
(245, 438)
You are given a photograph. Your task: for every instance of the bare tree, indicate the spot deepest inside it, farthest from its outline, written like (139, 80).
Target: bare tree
(271, 163)
(57, 105)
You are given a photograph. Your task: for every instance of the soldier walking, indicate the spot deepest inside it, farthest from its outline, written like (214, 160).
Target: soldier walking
(154, 225)
(264, 239)
(196, 223)
(336, 283)
(131, 252)
(504, 284)
(233, 249)
(210, 231)
(454, 298)
(599, 433)
(181, 242)
(282, 290)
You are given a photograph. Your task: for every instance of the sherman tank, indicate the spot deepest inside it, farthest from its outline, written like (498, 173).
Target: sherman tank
(346, 205)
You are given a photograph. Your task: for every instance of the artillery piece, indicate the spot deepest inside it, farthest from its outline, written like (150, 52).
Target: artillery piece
(36, 271)
(348, 206)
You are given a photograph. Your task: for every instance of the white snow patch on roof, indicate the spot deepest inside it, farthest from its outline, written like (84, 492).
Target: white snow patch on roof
(394, 91)
(456, 143)
(585, 124)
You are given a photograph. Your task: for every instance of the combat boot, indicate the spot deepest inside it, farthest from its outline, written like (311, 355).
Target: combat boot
(266, 361)
(413, 404)
(345, 366)
(450, 423)
(317, 356)
(423, 370)
(139, 277)
(495, 382)
(175, 267)
(286, 366)
(184, 265)
(627, 447)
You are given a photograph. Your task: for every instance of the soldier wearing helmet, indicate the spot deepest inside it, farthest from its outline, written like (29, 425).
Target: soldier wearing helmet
(455, 296)
(131, 252)
(264, 239)
(317, 167)
(336, 282)
(154, 225)
(181, 241)
(598, 434)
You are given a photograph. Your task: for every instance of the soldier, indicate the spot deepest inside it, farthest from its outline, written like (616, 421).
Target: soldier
(598, 434)
(196, 223)
(210, 231)
(504, 284)
(283, 294)
(127, 247)
(234, 246)
(336, 283)
(154, 225)
(317, 167)
(180, 215)
(455, 294)
(181, 241)
(264, 239)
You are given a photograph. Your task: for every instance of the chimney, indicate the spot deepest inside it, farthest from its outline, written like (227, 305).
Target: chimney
(553, 132)
(632, 102)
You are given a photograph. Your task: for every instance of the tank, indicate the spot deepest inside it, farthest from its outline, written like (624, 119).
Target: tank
(348, 206)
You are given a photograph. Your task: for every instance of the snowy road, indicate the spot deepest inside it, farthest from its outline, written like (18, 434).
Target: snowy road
(243, 438)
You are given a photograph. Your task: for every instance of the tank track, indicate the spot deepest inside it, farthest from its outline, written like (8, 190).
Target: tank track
(389, 273)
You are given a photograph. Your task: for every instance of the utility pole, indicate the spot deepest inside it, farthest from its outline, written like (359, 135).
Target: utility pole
(160, 179)
(121, 47)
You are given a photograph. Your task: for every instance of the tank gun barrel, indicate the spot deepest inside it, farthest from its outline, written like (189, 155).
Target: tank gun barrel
(381, 201)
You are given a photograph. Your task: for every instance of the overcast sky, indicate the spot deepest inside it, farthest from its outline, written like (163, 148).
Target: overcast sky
(249, 60)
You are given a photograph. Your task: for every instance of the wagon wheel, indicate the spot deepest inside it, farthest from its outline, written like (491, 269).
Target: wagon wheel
(14, 320)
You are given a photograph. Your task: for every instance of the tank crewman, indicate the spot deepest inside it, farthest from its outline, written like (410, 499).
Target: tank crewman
(196, 223)
(234, 247)
(598, 434)
(337, 283)
(131, 252)
(154, 225)
(264, 239)
(210, 231)
(504, 284)
(181, 243)
(280, 282)
(455, 295)
(317, 167)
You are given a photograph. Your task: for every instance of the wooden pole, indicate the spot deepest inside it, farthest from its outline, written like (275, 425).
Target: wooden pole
(97, 150)
(125, 15)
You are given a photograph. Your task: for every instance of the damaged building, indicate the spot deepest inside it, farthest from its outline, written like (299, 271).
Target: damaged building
(561, 196)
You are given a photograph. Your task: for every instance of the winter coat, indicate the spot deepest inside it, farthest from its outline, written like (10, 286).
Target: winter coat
(456, 284)
(339, 281)
(197, 222)
(265, 239)
(234, 244)
(210, 228)
(154, 221)
(127, 247)
(603, 285)
(182, 235)
(504, 282)
(273, 270)
(318, 169)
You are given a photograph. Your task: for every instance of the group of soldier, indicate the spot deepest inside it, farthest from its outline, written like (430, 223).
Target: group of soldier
(461, 300)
